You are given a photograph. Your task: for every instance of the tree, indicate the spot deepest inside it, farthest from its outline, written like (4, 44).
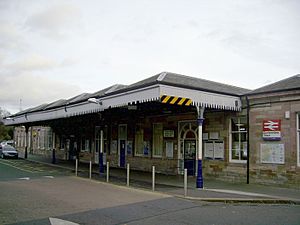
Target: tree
(6, 133)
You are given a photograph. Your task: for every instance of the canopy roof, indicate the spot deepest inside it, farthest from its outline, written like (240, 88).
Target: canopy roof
(201, 92)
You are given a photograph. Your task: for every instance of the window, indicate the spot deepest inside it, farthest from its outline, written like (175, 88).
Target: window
(98, 139)
(49, 139)
(238, 139)
(157, 139)
(298, 139)
(85, 145)
(139, 140)
(62, 142)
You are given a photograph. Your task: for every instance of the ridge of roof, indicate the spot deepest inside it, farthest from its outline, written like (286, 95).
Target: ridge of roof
(290, 83)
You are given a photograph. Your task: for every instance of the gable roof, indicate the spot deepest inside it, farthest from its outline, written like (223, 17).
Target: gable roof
(291, 83)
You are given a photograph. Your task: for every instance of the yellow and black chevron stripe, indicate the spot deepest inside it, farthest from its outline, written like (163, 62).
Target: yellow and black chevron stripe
(174, 100)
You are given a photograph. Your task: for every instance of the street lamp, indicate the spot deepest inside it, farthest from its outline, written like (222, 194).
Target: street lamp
(101, 166)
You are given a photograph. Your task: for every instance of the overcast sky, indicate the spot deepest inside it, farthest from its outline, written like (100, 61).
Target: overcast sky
(60, 48)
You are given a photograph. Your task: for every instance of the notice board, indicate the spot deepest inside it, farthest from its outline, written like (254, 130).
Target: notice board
(272, 153)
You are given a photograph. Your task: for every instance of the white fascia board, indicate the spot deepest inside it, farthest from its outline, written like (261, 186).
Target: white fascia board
(202, 98)
(62, 112)
(141, 95)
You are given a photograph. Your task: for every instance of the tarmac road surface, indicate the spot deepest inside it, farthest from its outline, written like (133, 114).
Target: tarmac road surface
(50, 197)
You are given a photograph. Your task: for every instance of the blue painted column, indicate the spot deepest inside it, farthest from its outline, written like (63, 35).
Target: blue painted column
(101, 166)
(200, 120)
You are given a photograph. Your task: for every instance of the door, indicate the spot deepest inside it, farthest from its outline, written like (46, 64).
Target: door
(122, 144)
(190, 156)
(73, 151)
(122, 153)
(97, 144)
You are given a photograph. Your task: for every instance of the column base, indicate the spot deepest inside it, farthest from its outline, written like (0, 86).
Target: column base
(199, 180)
(101, 166)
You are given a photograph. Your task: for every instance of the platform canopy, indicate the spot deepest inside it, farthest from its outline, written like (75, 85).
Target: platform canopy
(165, 87)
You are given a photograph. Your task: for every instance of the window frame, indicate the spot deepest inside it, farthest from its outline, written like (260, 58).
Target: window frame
(136, 148)
(84, 144)
(153, 141)
(231, 160)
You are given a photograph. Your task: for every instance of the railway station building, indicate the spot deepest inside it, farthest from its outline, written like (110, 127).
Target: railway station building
(174, 122)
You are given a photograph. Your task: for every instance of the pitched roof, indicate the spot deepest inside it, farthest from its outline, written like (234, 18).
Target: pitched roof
(167, 78)
(291, 83)
(179, 80)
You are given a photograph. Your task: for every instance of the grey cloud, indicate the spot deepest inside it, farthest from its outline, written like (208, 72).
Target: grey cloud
(11, 37)
(55, 21)
(33, 90)
(36, 62)
(33, 62)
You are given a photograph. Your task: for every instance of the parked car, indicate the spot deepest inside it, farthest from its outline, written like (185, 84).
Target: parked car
(10, 142)
(8, 151)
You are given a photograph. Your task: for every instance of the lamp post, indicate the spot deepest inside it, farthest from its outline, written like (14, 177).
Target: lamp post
(101, 167)
(200, 120)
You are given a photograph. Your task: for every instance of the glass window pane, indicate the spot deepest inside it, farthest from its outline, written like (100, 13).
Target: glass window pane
(157, 139)
(239, 150)
(139, 140)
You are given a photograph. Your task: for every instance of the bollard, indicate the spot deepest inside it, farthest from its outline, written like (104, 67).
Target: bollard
(90, 169)
(76, 167)
(128, 168)
(107, 172)
(153, 178)
(185, 182)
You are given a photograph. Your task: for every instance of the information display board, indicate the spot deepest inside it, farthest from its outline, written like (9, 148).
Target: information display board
(214, 149)
(272, 153)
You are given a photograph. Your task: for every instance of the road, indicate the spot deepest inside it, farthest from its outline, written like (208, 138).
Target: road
(45, 194)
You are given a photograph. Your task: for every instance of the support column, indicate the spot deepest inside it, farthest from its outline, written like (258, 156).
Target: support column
(200, 120)
(101, 166)
(53, 149)
(26, 141)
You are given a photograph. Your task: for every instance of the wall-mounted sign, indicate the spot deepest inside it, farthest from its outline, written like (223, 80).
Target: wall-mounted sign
(169, 133)
(272, 130)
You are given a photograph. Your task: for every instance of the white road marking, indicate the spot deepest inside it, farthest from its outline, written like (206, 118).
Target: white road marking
(55, 221)
(50, 177)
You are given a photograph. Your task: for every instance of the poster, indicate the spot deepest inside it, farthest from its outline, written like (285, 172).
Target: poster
(146, 148)
(219, 150)
(272, 153)
(214, 135)
(129, 147)
(114, 147)
(169, 149)
(209, 149)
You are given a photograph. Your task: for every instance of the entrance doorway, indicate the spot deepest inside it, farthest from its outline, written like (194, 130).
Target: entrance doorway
(190, 156)
(188, 147)
(122, 144)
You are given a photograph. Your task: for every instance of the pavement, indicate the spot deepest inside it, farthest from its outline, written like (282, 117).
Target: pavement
(213, 191)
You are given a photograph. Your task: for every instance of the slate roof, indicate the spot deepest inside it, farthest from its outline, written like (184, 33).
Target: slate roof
(108, 90)
(167, 78)
(184, 81)
(291, 83)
